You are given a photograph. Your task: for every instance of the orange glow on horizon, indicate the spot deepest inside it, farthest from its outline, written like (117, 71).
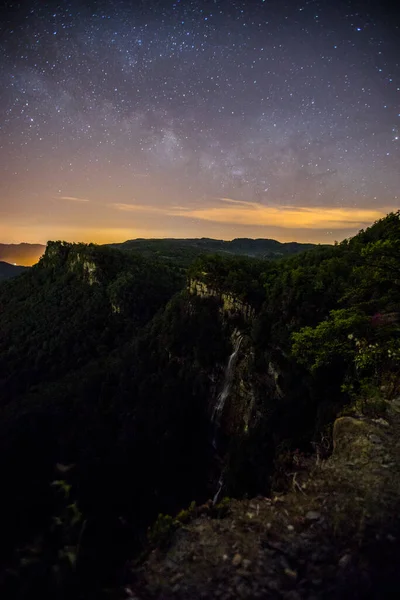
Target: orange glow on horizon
(218, 218)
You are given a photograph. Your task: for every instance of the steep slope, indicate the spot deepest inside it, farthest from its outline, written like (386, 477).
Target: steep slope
(64, 327)
(333, 535)
(74, 306)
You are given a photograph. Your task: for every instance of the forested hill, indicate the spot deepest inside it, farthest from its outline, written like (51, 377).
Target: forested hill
(186, 250)
(182, 251)
(126, 391)
(74, 306)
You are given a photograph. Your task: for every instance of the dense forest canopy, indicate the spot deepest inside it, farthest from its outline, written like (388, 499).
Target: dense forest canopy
(109, 367)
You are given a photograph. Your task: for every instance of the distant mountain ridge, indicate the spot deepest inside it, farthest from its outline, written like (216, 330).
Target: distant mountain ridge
(21, 254)
(252, 245)
(190, 248)
(175, 248)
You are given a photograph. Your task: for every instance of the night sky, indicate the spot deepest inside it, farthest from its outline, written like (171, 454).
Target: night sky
(187, 119)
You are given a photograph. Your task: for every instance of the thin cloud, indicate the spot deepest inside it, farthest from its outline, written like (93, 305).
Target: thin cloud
(242, 202)
(73, 198)
(138, 208)
(239, 212)
(288, 217)
(146, 208)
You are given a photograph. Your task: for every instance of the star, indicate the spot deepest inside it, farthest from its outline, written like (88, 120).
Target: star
(207, 103)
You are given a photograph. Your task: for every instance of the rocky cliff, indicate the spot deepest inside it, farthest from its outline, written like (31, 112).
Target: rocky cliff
(231, 305)
(76, 258)
(334, 534)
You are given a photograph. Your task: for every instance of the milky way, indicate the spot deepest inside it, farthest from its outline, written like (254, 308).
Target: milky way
(197, 118)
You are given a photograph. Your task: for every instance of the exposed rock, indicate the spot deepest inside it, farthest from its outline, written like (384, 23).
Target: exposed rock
(290, 573)
(237, 559)
(273, 372)
(381, 421)
(312, 515)
(345, 561)
(351, 439)
(357, 510)
(230, 304)
(375, 439)
(90, 268)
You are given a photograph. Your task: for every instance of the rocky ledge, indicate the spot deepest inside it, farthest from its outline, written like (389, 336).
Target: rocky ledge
(334, 535)
(230, 304)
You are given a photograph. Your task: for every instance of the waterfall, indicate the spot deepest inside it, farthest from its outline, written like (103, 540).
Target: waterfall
(220, 486)
(229, 372)
(219, 405)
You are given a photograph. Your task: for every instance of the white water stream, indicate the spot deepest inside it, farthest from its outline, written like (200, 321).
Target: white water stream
(220, 486)
(220, 404)
(229, 372)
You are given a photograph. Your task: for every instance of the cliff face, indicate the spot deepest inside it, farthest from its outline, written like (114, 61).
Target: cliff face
(252, 388)
(334, 535)
(238, 413)
(230, 304)
(253, 400)
(76, 258)
(132, 286)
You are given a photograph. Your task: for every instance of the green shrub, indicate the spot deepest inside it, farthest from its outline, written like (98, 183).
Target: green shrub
(222, 509)
(161, 531)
